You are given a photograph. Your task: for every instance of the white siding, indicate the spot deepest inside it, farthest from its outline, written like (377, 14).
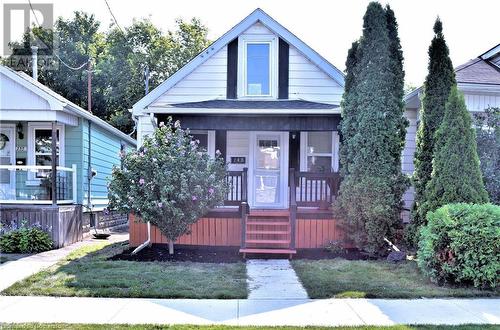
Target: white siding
(206, 82)
(238, 145)
(144, 127)
(309, 82)
(407, 158)
(14, 96)
(478, 102)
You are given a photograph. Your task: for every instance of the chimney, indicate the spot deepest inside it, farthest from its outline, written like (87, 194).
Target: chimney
(34, 61)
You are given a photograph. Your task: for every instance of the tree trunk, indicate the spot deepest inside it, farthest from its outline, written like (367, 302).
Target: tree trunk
(170, 247)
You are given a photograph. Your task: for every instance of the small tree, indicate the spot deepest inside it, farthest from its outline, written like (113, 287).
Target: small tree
(437, 86)
(456, 176)
(170, 181)
(488, 149)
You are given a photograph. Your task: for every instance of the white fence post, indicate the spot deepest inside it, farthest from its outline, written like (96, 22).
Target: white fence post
(74, 184)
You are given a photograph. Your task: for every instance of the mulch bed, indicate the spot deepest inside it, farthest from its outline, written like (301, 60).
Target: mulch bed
(213, 254)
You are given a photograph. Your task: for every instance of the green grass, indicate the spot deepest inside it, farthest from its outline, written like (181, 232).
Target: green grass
(221, 327)
(87, 273)
(339, 278)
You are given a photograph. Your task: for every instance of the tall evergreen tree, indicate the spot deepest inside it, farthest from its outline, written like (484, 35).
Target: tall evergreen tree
(456, 175)
(437, 86)
(373, 133)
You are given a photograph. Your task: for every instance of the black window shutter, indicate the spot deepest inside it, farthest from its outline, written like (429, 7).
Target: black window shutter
(283, 56)
(232, 69)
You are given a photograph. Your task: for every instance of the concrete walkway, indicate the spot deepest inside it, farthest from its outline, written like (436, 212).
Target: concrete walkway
(273, 279)
(299, 312)
(13, 271)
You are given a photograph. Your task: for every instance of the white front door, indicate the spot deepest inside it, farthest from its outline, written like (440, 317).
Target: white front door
(268, 170)
(7, 157)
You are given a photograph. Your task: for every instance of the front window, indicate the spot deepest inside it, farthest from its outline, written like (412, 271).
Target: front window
(258, 69)
(320, 152)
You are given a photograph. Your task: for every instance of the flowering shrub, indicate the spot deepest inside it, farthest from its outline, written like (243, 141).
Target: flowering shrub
(170, 181)
(24, 239)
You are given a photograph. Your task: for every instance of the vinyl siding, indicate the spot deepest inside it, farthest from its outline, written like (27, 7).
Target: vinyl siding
(206, 82)
(309, 82)
(477, 102)
(105, 149)
(238, 143)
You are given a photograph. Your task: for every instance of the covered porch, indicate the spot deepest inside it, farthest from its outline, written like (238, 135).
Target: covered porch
(282, 175)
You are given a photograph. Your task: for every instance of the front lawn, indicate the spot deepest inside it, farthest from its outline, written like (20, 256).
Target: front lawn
(224, 327)
(339, 278)
(87, 272)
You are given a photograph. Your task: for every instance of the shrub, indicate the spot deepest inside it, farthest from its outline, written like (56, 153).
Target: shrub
(461, 245)
(170, 181)
(25, 240)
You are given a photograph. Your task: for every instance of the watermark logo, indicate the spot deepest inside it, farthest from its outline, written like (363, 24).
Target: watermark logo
(18, 18)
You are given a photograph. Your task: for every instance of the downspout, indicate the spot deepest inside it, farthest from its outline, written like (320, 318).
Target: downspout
(148, 241)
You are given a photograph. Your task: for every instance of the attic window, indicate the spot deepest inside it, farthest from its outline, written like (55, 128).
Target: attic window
(258, 69)
(257, 66)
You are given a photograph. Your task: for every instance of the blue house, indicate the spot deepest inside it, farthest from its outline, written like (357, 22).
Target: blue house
(38, 125)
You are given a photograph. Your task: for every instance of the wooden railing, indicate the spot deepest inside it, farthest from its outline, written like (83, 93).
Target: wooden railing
(315, 189)
(237, 195)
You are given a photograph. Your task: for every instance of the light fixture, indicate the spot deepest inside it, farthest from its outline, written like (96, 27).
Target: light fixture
(20, 133)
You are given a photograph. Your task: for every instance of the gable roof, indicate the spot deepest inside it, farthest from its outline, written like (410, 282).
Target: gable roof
(482, 70)
(59, 103)
(258, 15)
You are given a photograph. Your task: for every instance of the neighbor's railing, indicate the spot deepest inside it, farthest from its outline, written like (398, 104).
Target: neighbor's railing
(32, 184)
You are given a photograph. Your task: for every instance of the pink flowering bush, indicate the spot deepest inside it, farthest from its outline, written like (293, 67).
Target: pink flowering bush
(170, 181)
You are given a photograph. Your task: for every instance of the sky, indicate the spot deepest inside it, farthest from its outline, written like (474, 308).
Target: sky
(328, 26)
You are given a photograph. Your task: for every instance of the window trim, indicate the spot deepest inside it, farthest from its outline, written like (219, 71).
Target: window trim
(243, 41)
(32, 127)
(304, 153)
(210, 140)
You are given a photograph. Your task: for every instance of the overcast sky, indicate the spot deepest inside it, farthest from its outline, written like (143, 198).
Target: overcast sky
(328, 26)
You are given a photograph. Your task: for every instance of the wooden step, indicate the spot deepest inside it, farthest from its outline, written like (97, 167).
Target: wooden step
(267, 223)
(267, 241)
(268, 232)
(290, 252)
(269, 213)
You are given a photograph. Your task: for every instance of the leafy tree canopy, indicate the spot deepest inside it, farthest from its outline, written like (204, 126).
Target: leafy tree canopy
(118, 59)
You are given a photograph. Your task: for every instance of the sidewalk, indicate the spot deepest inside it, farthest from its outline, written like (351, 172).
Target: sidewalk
(299, 312)
(13, 271)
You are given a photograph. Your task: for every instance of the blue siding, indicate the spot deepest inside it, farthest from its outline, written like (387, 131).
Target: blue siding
(105, 149)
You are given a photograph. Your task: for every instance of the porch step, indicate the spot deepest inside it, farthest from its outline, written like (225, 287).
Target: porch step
(268, 241)
(267, 223)
(290, 252)
(268, 232)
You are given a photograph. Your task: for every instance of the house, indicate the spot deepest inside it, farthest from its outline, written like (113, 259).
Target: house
(38, 125)
(271, 105)
(478, 80)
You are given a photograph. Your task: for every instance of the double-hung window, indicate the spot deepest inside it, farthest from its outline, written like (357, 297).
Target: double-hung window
(257, 67)
(319, 151)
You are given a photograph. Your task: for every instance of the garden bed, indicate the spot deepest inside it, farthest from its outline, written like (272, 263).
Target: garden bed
(88, 272)
(339, 278)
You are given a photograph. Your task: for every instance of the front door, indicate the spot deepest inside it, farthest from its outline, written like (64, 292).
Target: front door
(269, 170)
(7, 157)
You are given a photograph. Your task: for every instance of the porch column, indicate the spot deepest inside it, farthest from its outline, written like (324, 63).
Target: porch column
(221, 143)
(54, 163)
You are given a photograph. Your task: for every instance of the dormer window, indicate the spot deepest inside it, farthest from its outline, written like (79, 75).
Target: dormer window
(258, 69)
(257, 76)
